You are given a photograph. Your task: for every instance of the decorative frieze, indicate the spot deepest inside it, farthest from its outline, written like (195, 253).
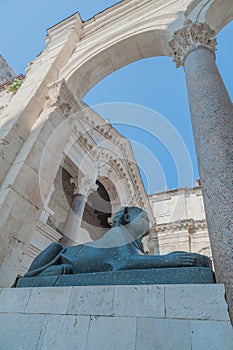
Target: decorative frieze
(190, 37)
(181, 225)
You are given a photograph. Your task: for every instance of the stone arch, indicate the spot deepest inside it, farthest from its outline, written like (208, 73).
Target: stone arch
(219, 14)
(145, 35)
(101, 61)
(112, 192)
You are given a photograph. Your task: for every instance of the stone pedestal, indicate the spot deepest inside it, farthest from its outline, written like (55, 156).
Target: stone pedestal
(179, 275)
(179, 317)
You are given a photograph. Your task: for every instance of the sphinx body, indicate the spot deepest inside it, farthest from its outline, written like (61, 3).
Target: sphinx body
(119, 249)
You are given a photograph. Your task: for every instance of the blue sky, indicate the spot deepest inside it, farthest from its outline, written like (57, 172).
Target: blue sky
(154, 83)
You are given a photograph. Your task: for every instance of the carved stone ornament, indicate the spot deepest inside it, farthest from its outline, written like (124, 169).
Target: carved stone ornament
(190, 37)
(60, 96)
(83, 185)
(3, 144)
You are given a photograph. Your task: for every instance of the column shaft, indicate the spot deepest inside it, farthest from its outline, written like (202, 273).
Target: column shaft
(212, 120)
(73, 221)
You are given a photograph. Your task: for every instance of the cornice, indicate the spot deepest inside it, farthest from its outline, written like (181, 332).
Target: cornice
(190, 224)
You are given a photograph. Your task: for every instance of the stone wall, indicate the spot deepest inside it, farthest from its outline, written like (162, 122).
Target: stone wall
(179, 317)
(181, 222)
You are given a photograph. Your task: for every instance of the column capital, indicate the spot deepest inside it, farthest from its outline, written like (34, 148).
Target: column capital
(83, 185)
(190, 37)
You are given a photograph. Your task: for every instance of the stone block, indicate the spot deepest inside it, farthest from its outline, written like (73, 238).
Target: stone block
(92, 300)
(49, 300)
(46, 130)
(206, 302)
(139, 301)
(28, 189)
(64, 332)
(131, 53)
(99, 66)
(49, 164)
(151, 44)
(19, 331)
(107, 333)
(10, 253)
(126, 277)
(17, 215)
(162, 334)
(14, 300)
(211, 335)
(5, 166)
(61, 134)
(30, 112)
(12, 148)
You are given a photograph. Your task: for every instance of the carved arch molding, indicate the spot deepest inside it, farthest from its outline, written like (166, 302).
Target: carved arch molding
(133, 30)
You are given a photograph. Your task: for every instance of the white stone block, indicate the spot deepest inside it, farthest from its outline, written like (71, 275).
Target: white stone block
(203, 302)
(14, 299)
(19, 331)
(111, 333)
(49, 300)
(46, 131)
(17, 215)
(64, 332)
(162, 334)
(211, 335)
(139, 301)
(92, 300)
(4, 168)
(13, 146)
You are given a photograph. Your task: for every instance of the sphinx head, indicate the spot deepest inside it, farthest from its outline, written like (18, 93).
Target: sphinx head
(134, 219)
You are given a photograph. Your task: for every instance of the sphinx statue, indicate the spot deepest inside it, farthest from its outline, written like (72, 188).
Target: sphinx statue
(119, 249)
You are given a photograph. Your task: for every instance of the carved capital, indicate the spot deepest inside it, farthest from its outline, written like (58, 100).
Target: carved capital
(190, 37)
(60, 96)
(83, 185)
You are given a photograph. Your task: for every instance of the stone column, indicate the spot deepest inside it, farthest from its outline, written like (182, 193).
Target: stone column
(212, 118)
(82, 188)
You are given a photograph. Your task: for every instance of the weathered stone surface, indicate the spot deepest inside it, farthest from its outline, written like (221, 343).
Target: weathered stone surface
(64, 332)
(150, 299)
(12, 301)
(111, 333)
(91, 300)
(186, 275)
(20, 331)
(45, 301)
(207, 305)
(212, 335)
(162, 334)
(104, 318)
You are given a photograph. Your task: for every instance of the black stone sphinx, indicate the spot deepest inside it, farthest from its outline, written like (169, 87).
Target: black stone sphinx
(116, 258)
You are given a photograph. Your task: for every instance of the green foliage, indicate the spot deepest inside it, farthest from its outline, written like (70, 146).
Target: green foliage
(15, 85)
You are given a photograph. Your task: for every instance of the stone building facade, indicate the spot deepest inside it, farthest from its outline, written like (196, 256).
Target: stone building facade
(180, 222)
(96, 172)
